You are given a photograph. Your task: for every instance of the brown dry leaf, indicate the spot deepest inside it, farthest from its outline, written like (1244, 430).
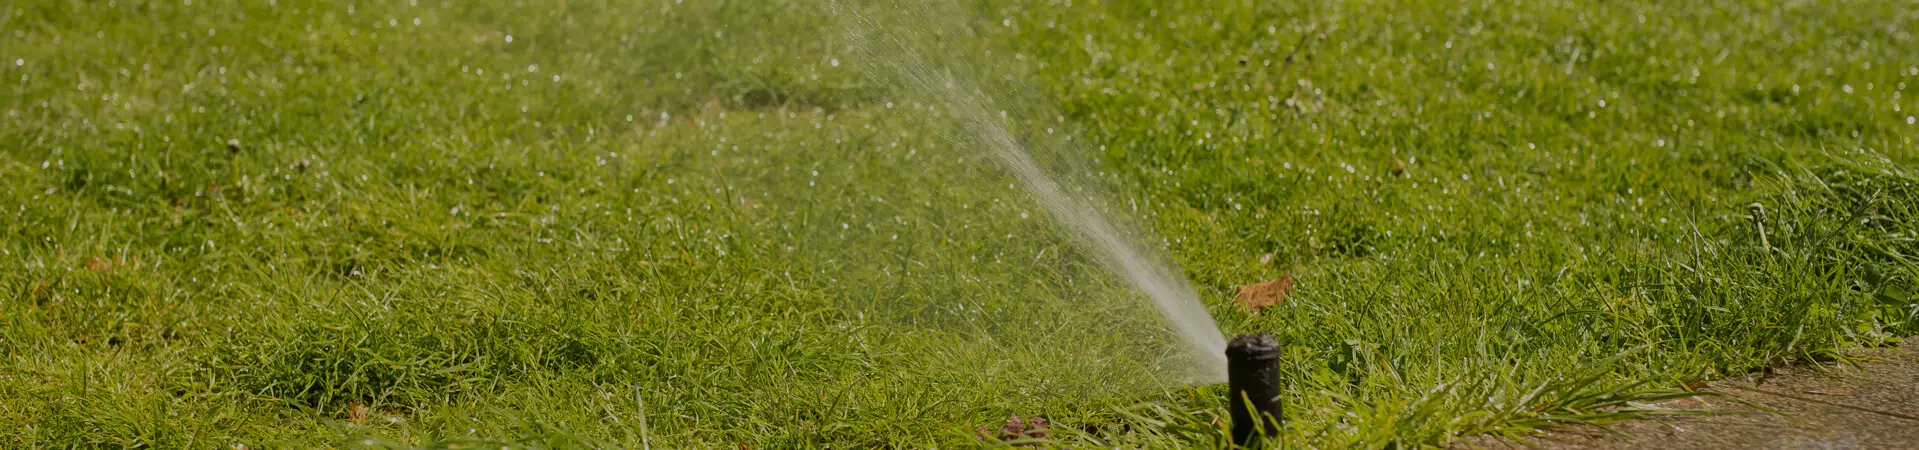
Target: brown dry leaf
(100, 265)
(1260, 295)
(1017, 429)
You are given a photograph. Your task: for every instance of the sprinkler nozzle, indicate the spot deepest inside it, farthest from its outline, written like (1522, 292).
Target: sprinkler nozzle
(1252, 374)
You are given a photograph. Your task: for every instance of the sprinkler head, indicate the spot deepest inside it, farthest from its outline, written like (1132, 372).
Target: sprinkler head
(1252, 374)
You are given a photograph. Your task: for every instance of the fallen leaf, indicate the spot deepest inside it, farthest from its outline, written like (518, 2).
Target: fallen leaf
(1017, 429)
(1260, 295)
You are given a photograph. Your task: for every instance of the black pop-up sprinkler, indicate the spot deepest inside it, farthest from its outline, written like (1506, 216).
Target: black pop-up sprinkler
(1252, 378)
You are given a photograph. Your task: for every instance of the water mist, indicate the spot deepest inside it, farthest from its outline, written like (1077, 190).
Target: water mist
(983, 126)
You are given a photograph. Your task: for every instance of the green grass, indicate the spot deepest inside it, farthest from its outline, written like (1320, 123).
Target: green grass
(691, 224)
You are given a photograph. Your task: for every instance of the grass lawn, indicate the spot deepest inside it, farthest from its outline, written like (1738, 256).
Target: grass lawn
(713, 224)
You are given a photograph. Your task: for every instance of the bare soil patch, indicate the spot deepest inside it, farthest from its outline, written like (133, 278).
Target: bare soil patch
(1870, 404)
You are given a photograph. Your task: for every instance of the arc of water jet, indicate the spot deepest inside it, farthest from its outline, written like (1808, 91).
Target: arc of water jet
(1170, 293)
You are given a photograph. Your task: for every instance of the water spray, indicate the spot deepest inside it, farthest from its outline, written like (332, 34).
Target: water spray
(983, 127)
